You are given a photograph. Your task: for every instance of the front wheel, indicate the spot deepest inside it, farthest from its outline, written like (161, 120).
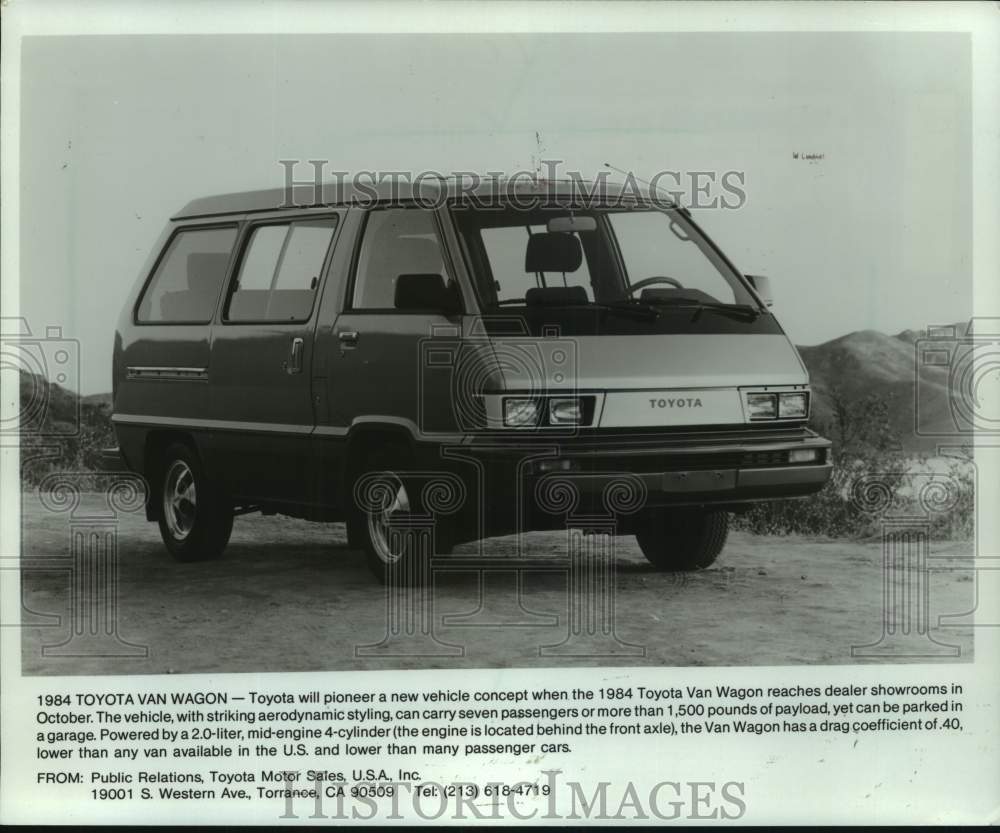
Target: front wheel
(384, 501)
(195, 519)
(683, 540)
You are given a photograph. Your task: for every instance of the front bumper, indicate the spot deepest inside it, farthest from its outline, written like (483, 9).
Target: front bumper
(725, 466)
(713, 485)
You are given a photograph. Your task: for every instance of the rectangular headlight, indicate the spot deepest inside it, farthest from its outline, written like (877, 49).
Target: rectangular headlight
(565, 412)
(762, 405)
(520, 413)
(793, 405)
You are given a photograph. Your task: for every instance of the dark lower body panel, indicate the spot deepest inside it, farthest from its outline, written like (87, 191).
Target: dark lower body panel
(541, 487)
(510, 484)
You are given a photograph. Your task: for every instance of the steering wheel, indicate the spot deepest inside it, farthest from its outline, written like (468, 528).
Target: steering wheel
(655, 279)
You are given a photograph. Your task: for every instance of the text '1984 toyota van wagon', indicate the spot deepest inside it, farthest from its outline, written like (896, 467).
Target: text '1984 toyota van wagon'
(487, 362)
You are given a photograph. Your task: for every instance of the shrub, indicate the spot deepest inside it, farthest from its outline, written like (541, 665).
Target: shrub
(866, 452)
(69, 437)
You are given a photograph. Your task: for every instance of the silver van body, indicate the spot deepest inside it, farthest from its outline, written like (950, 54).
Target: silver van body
(284, 349)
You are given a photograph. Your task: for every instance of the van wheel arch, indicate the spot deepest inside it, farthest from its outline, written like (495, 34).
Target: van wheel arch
(362, 440)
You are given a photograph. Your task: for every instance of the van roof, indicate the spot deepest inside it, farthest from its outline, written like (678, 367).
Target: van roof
(340, 193)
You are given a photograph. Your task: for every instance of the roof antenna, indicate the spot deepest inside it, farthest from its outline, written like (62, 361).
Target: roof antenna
(540, 148)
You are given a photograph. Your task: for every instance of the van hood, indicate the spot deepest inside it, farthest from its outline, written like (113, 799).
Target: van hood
(648, 362)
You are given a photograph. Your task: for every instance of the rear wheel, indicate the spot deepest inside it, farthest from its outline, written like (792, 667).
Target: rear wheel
(683, 540)
(195, 519)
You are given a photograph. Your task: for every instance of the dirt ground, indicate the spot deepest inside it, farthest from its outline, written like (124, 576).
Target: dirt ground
(291, 596)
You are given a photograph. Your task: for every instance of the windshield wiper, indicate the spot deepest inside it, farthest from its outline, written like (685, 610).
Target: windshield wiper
(744, 311)
(635, 308)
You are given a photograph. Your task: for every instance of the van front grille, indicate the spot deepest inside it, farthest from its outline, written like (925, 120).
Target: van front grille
(648, 463)
(641, 464)
(762, 459)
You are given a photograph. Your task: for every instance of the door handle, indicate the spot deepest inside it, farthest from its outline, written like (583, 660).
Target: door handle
(294, 363)
(348, 338)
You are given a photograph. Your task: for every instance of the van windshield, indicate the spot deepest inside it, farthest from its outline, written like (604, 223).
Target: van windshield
(644, 258)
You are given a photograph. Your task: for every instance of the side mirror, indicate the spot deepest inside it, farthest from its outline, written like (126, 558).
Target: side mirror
(762, 285)
(426, 293)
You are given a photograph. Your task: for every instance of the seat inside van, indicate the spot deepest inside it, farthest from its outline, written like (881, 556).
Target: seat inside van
(392, 255)
(205, 273)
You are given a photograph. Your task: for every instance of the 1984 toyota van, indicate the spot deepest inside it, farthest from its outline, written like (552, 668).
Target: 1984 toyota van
(495, 364)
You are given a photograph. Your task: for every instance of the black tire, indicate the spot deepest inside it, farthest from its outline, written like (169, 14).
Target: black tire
(683, 540)
(381, 477)
(195, 518)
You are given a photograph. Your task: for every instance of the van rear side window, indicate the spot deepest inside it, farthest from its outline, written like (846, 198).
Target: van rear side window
(185, 287)
(280, 271)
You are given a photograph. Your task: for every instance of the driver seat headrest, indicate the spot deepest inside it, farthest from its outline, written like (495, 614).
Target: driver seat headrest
(553, 251)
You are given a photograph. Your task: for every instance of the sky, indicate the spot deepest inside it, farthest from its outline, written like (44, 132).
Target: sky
(119, 132)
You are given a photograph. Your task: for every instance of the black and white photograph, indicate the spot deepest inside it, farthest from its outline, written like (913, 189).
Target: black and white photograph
(407, 413)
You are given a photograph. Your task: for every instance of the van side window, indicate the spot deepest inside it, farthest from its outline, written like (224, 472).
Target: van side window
(280, 271)
(185, 287)
(398, 241)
